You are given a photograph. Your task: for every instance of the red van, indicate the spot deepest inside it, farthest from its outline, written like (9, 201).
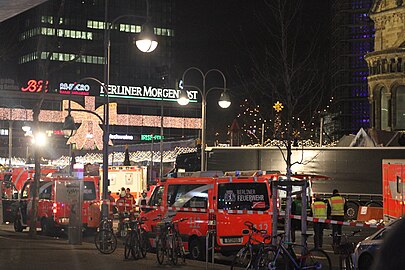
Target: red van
(53, 211)
(229, 200)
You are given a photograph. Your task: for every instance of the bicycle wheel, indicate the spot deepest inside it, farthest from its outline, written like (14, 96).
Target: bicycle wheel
(317, 259)
(264, 257)
(279, 262)
(143, 243)
(181, 249)
(346, 263)
(174, 247)
(105, 241)
(160, 250)
(242, 260)
(127, 247)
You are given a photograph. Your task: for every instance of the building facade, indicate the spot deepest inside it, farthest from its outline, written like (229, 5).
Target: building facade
(351, 38)
(49, 50)
(386, 80)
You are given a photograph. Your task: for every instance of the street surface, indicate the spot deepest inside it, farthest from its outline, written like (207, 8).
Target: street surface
(19, 252)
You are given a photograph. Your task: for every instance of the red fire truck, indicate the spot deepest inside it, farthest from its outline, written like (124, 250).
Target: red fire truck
(19, 175)
(393, 188)
(54, 207)
(228, 200)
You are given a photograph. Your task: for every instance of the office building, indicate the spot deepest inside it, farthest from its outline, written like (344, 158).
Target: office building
(46, 51)
(351, 37)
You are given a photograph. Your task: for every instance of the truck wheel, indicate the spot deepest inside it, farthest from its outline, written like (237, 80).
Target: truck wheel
(196, 250)
(17, 224)
(352, 210)
(46, 227)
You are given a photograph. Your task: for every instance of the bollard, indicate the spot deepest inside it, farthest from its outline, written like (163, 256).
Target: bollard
(211, 232)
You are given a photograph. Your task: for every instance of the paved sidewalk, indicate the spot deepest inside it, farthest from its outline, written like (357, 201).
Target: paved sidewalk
(19, 252)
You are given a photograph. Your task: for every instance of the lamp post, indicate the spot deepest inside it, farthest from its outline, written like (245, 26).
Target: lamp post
(146, 42)
(224, 102)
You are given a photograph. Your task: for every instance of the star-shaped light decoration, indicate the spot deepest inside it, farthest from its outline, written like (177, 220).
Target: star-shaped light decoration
(90, 135)
(278, 106)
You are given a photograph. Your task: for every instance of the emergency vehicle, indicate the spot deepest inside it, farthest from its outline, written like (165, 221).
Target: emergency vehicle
(19, 175)
(132, 177)
(54, 207)
(393, 175)
(203, 198)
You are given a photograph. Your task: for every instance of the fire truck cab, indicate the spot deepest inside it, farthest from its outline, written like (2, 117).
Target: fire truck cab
(53, 210)
(201, 198)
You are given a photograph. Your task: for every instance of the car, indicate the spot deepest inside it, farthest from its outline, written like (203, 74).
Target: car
(366, 250)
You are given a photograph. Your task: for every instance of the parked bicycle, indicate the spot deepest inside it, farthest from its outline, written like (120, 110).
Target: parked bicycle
(135, 243)
(345, 250)
(246, 256)
(285, 257)
(105, 240)
(168, 241)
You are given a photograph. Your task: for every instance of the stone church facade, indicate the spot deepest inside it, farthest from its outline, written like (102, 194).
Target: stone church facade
(386, 80)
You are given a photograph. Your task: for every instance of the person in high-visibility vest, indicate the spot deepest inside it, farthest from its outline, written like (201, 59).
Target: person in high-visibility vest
(337, 212)
(319, 209)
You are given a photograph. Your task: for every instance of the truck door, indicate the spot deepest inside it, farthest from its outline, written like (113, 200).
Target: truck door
(393, 188)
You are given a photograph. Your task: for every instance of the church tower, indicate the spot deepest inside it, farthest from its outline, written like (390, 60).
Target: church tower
(386, 80)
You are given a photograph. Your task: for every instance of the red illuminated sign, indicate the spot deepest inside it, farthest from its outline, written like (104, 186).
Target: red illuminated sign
(35, 86)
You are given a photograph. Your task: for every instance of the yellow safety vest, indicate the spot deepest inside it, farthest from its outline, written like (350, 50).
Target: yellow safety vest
(337, 204)
(319, 209)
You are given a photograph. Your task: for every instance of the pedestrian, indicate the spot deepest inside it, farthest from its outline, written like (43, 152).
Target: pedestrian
(337, 212)
(142, 200)
(296, 209)
(319, 209)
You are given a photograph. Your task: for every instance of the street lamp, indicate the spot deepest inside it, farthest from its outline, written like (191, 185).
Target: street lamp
(224, 102)
(146, 42)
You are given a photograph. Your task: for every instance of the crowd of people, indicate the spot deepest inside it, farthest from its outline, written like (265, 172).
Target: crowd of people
(125, 206)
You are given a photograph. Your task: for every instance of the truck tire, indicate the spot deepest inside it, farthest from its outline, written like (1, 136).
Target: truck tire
(18, 227)
(197, 252)
(352, 210)
(47, 227)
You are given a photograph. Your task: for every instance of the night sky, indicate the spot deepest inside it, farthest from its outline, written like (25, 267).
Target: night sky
(223, 34)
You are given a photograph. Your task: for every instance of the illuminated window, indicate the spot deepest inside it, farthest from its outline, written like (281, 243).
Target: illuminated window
(47, 19)
(384, 109)
(65, 57)
(61, 33)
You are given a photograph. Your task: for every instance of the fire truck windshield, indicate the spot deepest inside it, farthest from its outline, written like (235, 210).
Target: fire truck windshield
(243, 196)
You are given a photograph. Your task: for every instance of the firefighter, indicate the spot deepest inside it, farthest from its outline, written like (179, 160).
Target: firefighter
(337, 212)
(319, 209)
(129, 202)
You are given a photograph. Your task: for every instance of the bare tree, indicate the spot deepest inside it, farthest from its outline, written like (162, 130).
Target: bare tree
(44, 70)
(287, 70)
